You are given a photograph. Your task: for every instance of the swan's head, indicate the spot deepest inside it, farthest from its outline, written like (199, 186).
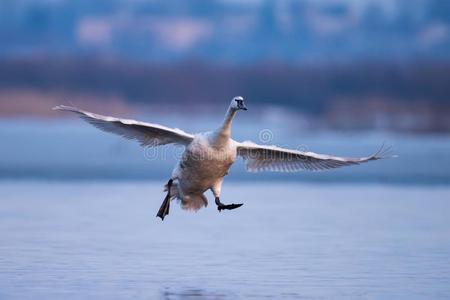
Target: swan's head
(238, 103)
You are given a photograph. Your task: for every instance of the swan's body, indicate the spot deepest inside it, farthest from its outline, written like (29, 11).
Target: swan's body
(208, 156)
(203, 165)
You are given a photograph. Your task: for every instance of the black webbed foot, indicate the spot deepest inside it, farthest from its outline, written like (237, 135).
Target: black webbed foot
(221, 206)
(229, 206)
(164, 209)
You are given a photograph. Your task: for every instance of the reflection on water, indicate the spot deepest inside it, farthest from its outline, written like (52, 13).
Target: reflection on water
(88, 240)
(190, 294)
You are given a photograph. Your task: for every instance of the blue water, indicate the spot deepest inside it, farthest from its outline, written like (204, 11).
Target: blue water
(101, 240)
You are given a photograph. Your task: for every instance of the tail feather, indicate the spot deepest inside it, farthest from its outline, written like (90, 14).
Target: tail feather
(192, 202)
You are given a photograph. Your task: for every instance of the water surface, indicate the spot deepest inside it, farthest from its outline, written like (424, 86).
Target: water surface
(101, 240)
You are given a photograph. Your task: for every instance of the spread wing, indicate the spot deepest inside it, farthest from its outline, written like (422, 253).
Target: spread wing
(271, 158)
(146, 134)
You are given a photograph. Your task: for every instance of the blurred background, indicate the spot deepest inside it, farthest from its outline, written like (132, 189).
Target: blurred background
(336, 76)
(342, 77)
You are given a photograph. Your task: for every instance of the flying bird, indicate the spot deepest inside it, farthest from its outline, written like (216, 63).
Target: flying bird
(208, 156)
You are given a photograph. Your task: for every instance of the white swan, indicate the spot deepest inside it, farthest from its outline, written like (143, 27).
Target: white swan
(208, 156)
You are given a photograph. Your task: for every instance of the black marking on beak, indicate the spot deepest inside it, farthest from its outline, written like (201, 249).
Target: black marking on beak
(241, 105)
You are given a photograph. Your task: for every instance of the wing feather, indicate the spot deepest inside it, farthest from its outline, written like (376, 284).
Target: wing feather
(147, 134)
(271, 158)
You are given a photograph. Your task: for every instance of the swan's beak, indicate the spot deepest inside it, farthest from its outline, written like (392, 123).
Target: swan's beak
(242, 106)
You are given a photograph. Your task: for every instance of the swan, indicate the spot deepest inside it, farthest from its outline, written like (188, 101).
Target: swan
(208, 156)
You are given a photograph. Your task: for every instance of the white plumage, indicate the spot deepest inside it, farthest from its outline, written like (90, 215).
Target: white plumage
(208, 156)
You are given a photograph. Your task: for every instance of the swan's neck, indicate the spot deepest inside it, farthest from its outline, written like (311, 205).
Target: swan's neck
(226, 124)
(224, 131)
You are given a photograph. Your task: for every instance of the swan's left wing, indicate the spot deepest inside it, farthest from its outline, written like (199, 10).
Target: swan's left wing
(271, 158)
(146, 133)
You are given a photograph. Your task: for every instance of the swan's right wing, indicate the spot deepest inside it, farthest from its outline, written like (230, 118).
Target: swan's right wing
(271, 158)
(146, 134)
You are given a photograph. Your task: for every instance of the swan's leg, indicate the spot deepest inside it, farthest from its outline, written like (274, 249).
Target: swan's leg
(216, 192)
(164, 209)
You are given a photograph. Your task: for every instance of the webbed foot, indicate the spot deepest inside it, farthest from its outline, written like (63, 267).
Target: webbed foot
(164, 209)
(221, 206)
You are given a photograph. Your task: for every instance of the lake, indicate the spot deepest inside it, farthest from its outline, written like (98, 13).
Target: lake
(95, 239)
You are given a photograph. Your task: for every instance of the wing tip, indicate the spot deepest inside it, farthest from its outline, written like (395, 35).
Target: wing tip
(65, 108)
(385, 152)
